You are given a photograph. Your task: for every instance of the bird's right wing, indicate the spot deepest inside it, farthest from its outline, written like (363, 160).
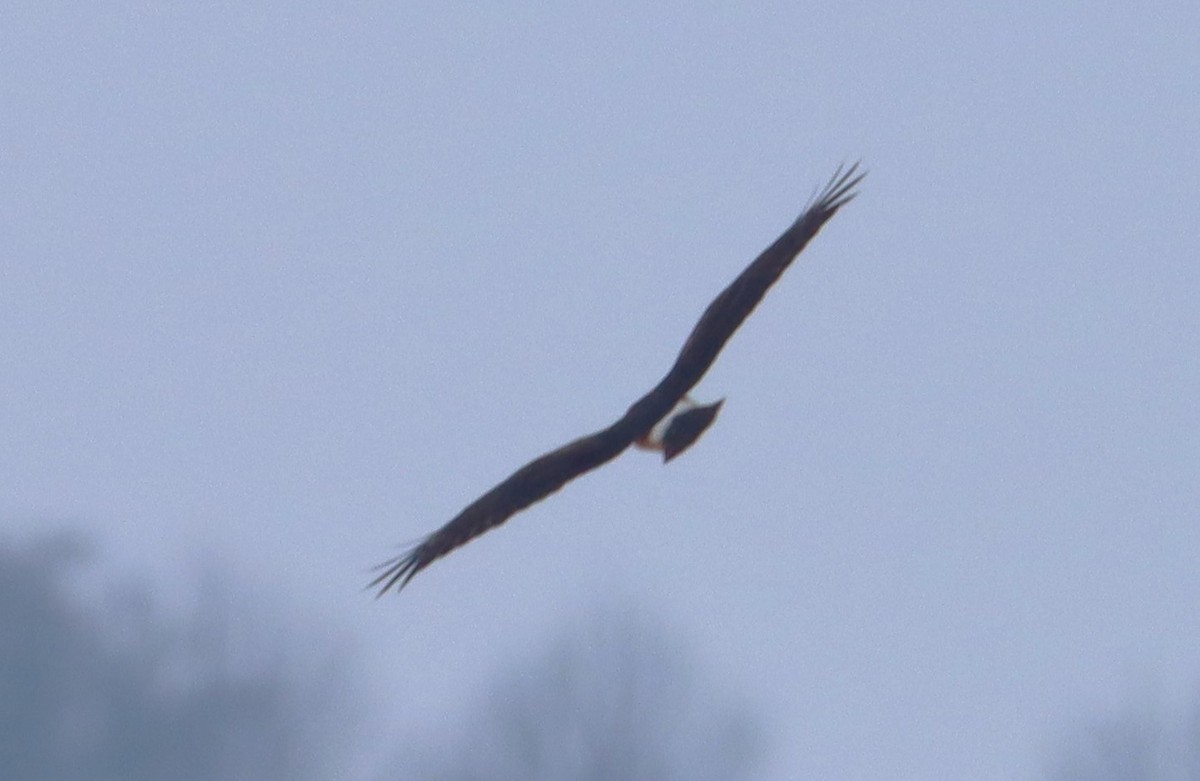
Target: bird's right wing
(735, 303)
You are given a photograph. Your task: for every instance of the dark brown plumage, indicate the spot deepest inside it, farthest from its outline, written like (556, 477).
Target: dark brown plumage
(686, 427)
(547, 474)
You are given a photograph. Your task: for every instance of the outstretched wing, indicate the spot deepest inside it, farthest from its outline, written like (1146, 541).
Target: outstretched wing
(531, 483)
(735, 303)
(550, 472)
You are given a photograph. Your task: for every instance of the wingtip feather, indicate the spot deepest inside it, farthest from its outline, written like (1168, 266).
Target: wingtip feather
(397, 572)
(839, 190)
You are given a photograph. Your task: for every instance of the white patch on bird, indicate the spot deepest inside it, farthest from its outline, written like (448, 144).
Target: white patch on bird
(654, 439)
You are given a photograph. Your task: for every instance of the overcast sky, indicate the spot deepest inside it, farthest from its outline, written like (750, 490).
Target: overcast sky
(292, 283)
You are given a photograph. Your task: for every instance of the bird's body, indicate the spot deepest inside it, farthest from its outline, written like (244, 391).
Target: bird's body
(680, 428)
(664, 419)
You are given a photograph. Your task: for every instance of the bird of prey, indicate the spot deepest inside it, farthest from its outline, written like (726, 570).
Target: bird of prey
(665, 419)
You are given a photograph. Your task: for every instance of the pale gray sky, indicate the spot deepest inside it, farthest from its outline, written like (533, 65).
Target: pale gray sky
(294, 282)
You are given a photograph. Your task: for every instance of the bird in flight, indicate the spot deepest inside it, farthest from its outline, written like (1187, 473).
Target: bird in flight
(665, 419)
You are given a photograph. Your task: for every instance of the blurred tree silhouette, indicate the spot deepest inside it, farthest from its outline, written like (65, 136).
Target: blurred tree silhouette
(615, 700)
(123, 693)
(1138, 744)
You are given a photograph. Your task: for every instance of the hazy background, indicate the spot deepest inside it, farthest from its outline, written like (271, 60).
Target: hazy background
(284, 285)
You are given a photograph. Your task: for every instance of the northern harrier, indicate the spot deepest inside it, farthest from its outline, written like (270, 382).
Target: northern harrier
(665, 419)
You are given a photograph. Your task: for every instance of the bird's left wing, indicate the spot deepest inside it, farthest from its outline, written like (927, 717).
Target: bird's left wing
(529, 484)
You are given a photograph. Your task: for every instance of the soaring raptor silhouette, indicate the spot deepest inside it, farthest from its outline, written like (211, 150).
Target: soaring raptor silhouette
(664, 419)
